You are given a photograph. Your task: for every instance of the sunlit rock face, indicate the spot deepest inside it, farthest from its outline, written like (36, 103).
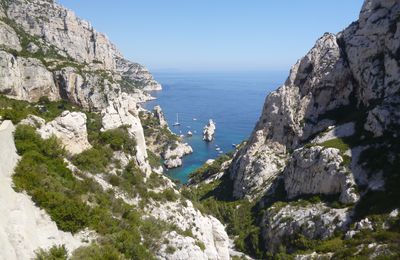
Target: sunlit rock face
(357, 67)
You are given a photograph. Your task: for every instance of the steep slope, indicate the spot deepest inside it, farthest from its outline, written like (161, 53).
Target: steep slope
(24, 227)
(84, 161)
(358, 69)
(319, 175)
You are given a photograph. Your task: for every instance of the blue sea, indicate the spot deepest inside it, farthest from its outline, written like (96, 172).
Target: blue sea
(233, 100)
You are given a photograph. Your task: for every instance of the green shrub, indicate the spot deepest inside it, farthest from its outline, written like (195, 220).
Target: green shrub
(208, 169)
(16, 110)
(154, 160)
(201, 245)
(119, 140)
(337, 143)
(331, 245)
(54, 253)
(96, 252)
(170, 250)
(94, 160)
(44, 175)
(93, 126)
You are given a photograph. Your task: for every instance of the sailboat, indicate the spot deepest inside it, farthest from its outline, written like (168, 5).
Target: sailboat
(177, 121)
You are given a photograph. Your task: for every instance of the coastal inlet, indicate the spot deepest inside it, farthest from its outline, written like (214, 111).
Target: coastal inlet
(232, 100)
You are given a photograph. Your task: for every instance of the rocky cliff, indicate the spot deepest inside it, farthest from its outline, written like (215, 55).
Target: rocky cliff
(356, 69)
(85, 166)
(323, 156)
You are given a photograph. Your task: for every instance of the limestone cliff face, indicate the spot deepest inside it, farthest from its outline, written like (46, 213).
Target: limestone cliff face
(359, 67)
(46, 50)
(71, 50)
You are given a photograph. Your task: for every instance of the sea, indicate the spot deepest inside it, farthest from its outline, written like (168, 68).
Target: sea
(233, 100)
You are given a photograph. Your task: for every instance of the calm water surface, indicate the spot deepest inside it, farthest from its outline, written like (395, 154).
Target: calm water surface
(233, 100)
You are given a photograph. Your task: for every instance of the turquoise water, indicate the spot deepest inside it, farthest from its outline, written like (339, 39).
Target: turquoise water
(233, 100)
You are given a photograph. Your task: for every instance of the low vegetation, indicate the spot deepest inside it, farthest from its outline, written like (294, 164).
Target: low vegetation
(94, 160)
(216, 199)
(54, 253)
(78, 203)
(16, 110)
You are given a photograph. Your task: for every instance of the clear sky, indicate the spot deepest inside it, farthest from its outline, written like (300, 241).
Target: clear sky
(216, 34)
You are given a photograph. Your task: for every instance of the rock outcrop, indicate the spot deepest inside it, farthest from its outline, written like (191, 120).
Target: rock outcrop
(122, 111)
(319, 170)
(313, 221)
(70, 129)
(209, 131)
(159, 114)
(206, 229)
(25, 78)
(173, 155)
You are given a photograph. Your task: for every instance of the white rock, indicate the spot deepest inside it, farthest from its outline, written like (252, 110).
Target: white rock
(34, 121)
(122, 111)
(206, 229)
(26, 78)
(315, 221)
(158, 113)
(173, 157)
(394, 213)
(356, 66)
(210, 161)
(8, 37)
(209, 131)
(345, 130)
(173, 162)
(70, 129)
(319, 170)
(24, 227)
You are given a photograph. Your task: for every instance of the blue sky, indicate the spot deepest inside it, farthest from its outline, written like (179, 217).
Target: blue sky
(216, 34)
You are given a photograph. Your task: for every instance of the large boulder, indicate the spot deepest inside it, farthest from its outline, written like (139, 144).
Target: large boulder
(314, 221)
(70, 129)
(319, 170)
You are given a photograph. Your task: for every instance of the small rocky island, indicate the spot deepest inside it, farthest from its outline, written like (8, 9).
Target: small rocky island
(209, 131)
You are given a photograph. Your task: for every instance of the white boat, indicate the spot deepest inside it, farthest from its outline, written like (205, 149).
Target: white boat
(177, 121)
(218, 149)
(189, 133)
(194, 119)
(221, 152)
